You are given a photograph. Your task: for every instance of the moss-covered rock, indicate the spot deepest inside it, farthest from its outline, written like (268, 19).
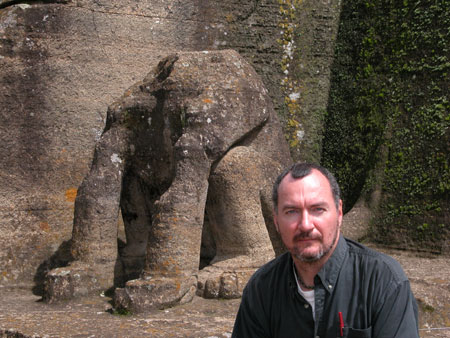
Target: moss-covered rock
(389, 114)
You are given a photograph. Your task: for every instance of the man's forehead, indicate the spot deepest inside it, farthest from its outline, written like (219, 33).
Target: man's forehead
(314, 182)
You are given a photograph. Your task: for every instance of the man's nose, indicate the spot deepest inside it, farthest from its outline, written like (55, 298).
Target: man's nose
(305, 224)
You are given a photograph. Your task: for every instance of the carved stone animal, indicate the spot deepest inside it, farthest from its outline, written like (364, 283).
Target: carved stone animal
(198, 135)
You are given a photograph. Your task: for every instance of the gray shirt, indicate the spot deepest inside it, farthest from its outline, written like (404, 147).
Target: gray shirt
(368, 288)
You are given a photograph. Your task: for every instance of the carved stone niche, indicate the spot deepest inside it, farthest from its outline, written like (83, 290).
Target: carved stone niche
(198, 136)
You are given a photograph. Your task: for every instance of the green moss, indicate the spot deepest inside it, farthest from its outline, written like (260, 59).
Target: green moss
(390, 91)
(122, 312)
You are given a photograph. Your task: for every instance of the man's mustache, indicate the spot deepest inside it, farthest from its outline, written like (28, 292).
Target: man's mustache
(306, 235)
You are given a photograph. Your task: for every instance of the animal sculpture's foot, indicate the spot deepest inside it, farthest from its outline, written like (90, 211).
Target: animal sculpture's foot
(78, 279)
(226, 278)
(149, 293)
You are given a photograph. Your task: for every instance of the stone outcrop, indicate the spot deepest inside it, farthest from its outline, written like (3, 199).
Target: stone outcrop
(61, 64)
(63, 61)
(198, 135)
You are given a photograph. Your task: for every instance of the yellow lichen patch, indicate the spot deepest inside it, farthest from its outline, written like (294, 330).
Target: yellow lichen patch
(55, 236)
(128, 92)
(170, 265)
(44, 226)
(169, 262)
(291, 88)
(71, 194)
(229, 18)
(153, 330)
(439, 281)
(207, 100)
(62, 157)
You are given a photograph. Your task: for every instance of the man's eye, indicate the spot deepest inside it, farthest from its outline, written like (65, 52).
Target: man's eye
(291, 212)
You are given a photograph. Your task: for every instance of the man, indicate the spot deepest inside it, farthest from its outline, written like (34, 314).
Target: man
(325, 285)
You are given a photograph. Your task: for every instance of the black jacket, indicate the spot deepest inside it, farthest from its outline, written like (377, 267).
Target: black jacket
(370, 289)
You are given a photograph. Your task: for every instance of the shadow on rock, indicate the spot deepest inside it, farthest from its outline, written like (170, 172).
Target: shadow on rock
(61, 258)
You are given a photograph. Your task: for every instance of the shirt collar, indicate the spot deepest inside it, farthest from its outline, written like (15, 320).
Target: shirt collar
(330, 271)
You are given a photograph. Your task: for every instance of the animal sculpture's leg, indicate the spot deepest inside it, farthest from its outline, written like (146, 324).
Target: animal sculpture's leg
(94, 235)
(239, 221)
(234, 210)
(173, 250)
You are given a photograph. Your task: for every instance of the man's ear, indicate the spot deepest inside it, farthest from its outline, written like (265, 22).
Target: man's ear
(275, 220)
(340, 213)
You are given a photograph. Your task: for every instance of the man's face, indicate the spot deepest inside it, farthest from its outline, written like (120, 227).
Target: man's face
(307, 218)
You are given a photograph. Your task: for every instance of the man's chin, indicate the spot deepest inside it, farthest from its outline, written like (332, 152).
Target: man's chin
(308, 256)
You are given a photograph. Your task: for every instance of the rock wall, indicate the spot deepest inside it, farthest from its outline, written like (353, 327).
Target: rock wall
(61, 63)
(387, 131)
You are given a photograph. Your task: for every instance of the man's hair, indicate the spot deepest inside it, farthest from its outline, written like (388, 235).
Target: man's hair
(300, 170)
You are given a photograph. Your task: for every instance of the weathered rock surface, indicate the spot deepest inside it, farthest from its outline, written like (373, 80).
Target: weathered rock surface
(308, 78)
(22, 314)
(198, 134)
(61, 64)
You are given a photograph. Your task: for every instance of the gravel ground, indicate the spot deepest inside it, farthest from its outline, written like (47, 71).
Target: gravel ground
(22, 314)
